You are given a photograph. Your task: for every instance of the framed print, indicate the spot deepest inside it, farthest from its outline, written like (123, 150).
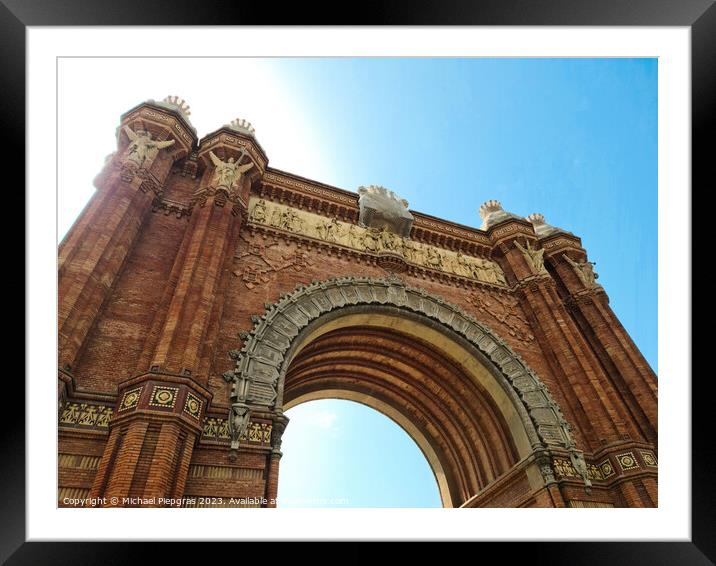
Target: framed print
(218, 282)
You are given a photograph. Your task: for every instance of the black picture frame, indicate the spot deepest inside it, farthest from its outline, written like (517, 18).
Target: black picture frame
(698, 15)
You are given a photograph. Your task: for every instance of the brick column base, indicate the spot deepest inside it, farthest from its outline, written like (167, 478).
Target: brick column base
(155, 425)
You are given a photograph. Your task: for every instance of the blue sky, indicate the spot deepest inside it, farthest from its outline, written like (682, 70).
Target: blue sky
(574, 139)
(342, 454)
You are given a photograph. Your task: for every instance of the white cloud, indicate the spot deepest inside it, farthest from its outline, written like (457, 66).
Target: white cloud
(322, 418)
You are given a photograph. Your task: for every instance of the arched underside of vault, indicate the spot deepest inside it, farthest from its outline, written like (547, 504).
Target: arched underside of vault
(473, 406)
(419, 383)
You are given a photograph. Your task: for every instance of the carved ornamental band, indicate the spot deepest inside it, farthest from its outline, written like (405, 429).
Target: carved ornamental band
(374, 240)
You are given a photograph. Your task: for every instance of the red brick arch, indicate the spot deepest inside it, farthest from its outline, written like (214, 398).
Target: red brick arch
(473, 406)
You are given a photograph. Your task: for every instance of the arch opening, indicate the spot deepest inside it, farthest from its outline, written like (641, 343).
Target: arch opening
(340, 452)
(443, 397)
(476, 410)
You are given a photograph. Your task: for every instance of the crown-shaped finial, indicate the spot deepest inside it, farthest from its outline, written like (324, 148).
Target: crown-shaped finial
(541, 227)
(241, 125)
(180, 104)
(536, 218)
(489, 207)
(492, 213)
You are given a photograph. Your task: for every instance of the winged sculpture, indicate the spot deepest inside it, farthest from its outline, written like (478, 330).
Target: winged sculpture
(142, 146)
(228, 173)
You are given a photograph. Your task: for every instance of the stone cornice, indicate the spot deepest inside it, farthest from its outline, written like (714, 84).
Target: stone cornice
(306, 194)
(172, 207)
(559, 242)
(172, 120)
(232, 138)
(510, 228)
(451, 234)
(329, 201)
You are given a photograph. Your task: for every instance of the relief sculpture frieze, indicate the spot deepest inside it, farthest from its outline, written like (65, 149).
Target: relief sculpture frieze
(373, 241)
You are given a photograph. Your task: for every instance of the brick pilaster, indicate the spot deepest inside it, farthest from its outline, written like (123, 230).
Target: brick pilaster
(280, 422)
(210, 236)
(591, 401)
(183, 331)
(625, 366)
(92, 255)
(186, 325)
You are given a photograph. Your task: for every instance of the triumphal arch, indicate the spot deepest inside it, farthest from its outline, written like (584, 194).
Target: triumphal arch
(202, 293)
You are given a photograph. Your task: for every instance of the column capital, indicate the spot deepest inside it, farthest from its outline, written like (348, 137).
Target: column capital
(280, 422)
(160, 396)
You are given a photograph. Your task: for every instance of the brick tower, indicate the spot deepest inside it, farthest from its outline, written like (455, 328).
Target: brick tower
(203, 293)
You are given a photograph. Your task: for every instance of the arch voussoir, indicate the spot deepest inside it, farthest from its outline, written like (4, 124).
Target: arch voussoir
(261, 364)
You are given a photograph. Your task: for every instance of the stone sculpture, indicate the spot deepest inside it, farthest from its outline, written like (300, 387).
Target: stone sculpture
(534, 257)
(228, 173)
(142, 147)
(584, 270)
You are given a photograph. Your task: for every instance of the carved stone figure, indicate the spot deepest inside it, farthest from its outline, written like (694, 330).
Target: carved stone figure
(228, 173)
(258, 214)
(408, 250)
(296, 222)
(534, 257)
(580, 466)
(463, 266)
(286, 220)
(240, 415)
(329, 230)
(418, 254)
(479, 272)
(372, 240)
(495, 273)
(450, 264)
(142, 146)
(434, 258)
(352, 237)
(584, 270)
(275, 217)
(388, 240)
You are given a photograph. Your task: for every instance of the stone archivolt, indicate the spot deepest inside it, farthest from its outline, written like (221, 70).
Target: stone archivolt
(373, 241)
(262, 362)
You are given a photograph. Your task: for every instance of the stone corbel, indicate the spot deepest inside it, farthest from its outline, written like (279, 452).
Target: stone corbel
(580, 466)
(280, 421)
(544, 462)
(238, 422)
